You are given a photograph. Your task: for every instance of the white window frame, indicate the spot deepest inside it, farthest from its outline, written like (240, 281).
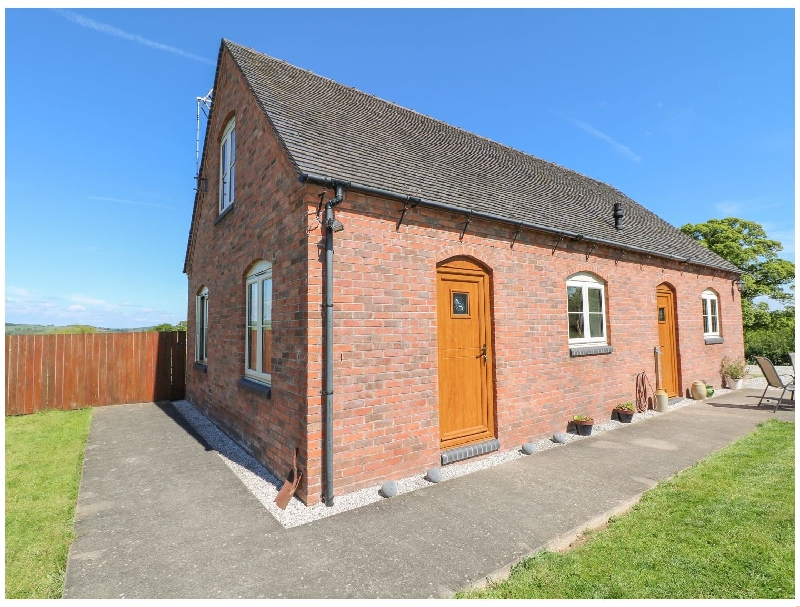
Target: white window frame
(586, 282)
(201, 326)
(710, 313)
(260, 273)
(227, 166)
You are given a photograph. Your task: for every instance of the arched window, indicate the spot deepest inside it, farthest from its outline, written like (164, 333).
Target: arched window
(586, 310)
(201, 325)
(258, 334)
(227, 165)
(710, 313)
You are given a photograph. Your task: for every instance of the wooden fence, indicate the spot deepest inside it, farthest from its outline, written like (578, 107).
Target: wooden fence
(93, 369)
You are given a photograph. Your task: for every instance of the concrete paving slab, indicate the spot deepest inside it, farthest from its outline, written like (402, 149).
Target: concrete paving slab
(161, 516)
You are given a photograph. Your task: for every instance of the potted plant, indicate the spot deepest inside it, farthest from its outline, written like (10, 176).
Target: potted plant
(625, 412)
(583, 424)
(732, 369)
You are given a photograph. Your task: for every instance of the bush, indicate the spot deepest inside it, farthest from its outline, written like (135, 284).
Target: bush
(774, 343)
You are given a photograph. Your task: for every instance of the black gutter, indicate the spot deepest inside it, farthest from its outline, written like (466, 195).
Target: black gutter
(326, 181)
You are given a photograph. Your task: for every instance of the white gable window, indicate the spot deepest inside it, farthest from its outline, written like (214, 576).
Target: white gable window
(710, 313)
(201, 325)
(586, 310)
(227, 166)
(258, 334)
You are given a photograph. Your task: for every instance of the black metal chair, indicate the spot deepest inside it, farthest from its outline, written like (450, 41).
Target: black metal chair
(773, 381)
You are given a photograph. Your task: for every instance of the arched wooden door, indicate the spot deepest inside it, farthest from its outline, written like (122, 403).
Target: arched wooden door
(466, 408)
(668, 339)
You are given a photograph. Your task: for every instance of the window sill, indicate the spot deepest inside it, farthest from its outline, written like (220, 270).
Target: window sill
(589, 350)
(255, 387)
(224, 214)
(202, 367)
(714, 340)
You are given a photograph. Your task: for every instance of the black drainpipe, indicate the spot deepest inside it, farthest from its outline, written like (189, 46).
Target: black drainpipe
(331, 226)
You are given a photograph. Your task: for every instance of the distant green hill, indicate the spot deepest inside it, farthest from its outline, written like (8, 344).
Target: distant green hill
(21, 329)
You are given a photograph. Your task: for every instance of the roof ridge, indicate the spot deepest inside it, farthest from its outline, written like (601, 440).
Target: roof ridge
(427, 117)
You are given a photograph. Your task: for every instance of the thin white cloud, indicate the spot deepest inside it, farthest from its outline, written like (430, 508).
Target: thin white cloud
(17, 293)
(89, 301)
(28, 306)
(622, 149)
(119, 200)
(118, 33)
(729, 208)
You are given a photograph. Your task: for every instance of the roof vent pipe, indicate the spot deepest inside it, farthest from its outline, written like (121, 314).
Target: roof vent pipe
(618, 216)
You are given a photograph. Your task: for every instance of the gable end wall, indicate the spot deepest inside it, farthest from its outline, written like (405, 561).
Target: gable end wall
(267, 221)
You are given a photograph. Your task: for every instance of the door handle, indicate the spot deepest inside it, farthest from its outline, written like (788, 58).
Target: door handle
(483, 353)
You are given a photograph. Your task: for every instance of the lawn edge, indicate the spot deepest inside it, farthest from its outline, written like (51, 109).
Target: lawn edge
(562, 543)
(74, 534)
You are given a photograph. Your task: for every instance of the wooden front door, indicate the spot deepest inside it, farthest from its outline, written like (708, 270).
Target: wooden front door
(667, 339)
(466, 409)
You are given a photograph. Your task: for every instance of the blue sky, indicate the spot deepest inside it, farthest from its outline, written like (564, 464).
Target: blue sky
(688, 112)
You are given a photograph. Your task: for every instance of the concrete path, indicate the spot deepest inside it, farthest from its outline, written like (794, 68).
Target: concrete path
(161, 516)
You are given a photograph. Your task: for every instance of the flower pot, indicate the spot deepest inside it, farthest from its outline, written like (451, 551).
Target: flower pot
(624, 415)
(734, 384)
(698, 390)
(709, 391)
(583, 428)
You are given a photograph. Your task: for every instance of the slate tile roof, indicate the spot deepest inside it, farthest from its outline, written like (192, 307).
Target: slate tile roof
(340, 132)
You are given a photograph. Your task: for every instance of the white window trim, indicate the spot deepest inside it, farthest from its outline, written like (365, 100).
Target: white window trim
(201, 320)
(708, 296)
(227, 166)
(586, 281)
(259, 273)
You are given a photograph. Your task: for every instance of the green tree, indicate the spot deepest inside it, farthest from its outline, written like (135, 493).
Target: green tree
(745, 245)
(75, 329)
(165, 326)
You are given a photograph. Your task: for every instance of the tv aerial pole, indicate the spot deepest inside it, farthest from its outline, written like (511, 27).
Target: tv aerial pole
(205, 104)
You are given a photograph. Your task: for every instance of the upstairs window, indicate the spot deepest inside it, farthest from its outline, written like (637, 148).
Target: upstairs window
(586, 310)
(227, 166)
(710, 313)
(201, 325)
(258, 334)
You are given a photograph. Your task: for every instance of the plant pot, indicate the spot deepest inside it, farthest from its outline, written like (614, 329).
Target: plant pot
(698, 390)
(624, 415)
(709, 391)
(734, 384)
(583, 428)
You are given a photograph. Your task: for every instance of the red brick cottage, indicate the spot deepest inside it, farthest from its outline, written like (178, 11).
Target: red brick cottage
(386, 293)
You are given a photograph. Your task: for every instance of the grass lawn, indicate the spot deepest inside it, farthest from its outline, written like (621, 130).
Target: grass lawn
(722, 529)
(44, 458)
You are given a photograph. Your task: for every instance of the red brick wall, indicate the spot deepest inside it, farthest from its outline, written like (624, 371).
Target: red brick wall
(385, 350)
(386, 399)
(267, 221)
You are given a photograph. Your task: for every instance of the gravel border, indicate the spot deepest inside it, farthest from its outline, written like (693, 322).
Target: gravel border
(264, 485)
